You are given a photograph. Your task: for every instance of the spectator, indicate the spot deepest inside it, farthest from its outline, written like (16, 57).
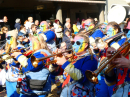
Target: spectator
(37, 24)
(58, 31)
(17, 24)
(4, 30)
(48, 23)
(67, 21)
(68, 27)
(28, 24)
(67, 39)
(5, 22)
(75, 28)
(78, 24)
(33, 29)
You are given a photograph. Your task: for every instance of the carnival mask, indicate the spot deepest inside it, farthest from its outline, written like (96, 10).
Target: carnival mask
(110, 31)
(43, 26)
(78, 44)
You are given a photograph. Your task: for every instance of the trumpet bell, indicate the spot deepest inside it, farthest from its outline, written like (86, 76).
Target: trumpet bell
(91, 76)
(34, 61)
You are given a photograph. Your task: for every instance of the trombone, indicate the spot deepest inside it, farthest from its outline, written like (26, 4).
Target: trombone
(1, 59)
(92, 76)
(91, 31)
(35, 60)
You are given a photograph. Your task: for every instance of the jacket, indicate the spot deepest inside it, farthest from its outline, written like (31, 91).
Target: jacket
(66, 39)
(17, 26)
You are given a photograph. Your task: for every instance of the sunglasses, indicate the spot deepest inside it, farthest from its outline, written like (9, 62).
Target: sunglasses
(77, 42)
(9, 37)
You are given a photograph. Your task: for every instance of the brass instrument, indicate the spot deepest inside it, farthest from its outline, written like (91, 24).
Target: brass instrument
(92, 76)
(112, 37)
(1, 59)
(35, 61)
(14, 51)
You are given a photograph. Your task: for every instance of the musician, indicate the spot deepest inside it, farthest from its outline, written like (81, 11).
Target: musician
(48, 35)
(120, 75)
(76, 83)
(37, 76)
(89, 24)
(12, 68)
(111, 30)
(97, 33)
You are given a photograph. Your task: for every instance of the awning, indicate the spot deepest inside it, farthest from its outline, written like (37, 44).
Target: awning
(78, 1)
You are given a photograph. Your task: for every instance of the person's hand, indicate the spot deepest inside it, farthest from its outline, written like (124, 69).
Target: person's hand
(25, 39)
(110, 52)
(121, 62)
(60, 60)
(1, 51)
(15, 54)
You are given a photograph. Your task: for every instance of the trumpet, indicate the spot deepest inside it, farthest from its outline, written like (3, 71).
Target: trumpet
(35, 61)
(92, 76)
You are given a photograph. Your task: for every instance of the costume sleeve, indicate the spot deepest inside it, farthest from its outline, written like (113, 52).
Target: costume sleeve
(26, 63)
(75, 73)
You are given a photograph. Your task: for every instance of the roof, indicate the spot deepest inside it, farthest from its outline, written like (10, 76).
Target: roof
(78, 1)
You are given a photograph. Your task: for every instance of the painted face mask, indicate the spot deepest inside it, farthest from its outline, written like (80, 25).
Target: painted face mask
(103, 28)
(88, 26)
(110, 31)
(43, 26)
(78, 44)
(9, 39)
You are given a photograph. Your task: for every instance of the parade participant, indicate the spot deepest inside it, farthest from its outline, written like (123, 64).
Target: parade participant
(120, 75)
(12, 67)
(48, 35)
(97, 33)
(35, 83)
(89, 24)
(112, 29)
(76, 83)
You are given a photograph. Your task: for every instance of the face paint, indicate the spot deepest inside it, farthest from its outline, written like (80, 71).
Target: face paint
(110, 31)
(43, 26)
(81, 47)
(103, 28)
(88, 26)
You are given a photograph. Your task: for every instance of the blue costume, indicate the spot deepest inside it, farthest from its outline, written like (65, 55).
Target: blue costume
(97, 33)
(102, 89)
(34, 76)
(76, 77)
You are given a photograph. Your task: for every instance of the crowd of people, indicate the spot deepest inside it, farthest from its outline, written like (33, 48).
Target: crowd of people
(36, 55)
